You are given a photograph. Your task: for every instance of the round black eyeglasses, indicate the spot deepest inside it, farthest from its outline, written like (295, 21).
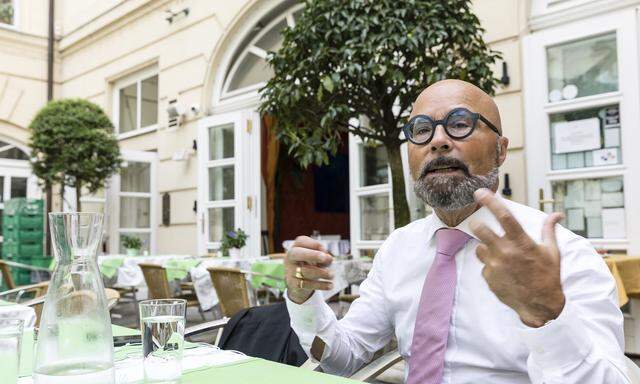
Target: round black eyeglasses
(458, 124)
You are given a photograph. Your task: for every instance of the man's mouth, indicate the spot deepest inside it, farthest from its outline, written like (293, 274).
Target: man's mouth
(444, 170)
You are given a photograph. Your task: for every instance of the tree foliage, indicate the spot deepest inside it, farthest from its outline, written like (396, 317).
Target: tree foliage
(73, 144)
(349, 59)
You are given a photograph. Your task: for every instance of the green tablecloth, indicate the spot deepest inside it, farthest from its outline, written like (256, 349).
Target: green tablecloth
(273, 268)
(247, 372)
(109, 266)
(179, 268)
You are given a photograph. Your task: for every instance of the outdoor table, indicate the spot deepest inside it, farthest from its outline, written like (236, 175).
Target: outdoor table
(626, 272)
(18, 311)
(247, 371)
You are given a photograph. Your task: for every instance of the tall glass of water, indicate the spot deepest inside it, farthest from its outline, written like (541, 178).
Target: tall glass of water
(10, 340)
(162, 325)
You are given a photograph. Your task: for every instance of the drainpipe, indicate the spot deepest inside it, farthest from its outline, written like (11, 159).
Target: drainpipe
(48, 188)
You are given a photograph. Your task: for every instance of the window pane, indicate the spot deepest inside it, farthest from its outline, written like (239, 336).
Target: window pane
(585, 138)
(594, 208)
(6, 12)
(221, 142)
(149, 102)
(221, 220)
(18, 187)
(145, 237)
(135, 177)
(13, 153)
(272, 40)
(373, 165)
(128, 109)
(221, 183)
(583, 68)
(135, 212)
(374, 216)
(252, 70)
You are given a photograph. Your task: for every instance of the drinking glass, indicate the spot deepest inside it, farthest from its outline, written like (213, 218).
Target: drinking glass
(10, 340)
(162, 325)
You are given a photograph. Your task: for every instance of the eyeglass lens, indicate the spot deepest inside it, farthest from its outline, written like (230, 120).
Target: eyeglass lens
(457, 124)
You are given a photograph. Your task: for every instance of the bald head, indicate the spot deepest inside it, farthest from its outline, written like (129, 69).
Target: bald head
(445, 95)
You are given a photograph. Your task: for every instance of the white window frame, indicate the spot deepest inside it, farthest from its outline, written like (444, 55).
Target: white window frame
(538, 109)
(356, 192)
(16, 17)
(113, 202)
(252, 49)
(247, 179)
(136, 78)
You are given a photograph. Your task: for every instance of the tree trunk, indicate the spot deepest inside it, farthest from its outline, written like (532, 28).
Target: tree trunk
(401, 214)
(49, 202)
(78, 195)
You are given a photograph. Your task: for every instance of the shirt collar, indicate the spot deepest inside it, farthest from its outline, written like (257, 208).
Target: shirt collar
(482, 215)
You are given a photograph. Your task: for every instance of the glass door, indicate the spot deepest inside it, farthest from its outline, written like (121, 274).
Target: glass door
(229, 180)
(581, 97)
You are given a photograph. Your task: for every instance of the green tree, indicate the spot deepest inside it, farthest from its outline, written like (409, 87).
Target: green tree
(350, 61)
(73, 144)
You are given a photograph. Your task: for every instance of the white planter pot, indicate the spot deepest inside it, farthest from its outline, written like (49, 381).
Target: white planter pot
(234, 253)
(132, 252)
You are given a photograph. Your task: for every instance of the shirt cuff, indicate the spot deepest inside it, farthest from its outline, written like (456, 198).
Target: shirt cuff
(560, 342)
(310, 319)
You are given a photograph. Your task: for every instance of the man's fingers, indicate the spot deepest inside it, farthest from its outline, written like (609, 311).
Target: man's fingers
(314, 273)
(549, 229)
(484, 233)
(511, 227)
(482, 251)
(307, 242)
(310, 256)
(309, 284)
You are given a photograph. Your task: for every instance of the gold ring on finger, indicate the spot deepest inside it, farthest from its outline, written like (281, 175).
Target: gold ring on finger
(300, 283)
(299, 273)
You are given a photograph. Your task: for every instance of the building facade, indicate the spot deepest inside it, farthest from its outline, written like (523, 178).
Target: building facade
(180, 80)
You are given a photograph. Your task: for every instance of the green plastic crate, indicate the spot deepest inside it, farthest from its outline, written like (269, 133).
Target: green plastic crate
(43, 261)
(23, 206)
(20, 251)
(24, 235)
(21, 276)
(22, 222)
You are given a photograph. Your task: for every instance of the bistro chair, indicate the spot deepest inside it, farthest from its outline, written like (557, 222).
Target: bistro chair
(231, 287)
(277, 256)
(6, 275)
(32, 290)
(156, 278)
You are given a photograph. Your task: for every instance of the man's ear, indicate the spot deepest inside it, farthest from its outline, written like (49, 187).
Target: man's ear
(503, 144)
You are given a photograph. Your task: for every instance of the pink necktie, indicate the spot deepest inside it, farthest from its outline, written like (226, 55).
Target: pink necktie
(426, 363)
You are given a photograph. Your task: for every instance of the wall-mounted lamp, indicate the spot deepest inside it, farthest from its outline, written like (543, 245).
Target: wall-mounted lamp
(506, 191)
(173, 16)
(505, 79)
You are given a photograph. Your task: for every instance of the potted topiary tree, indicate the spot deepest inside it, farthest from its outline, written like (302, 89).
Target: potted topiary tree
(131, 244)
(232, 242)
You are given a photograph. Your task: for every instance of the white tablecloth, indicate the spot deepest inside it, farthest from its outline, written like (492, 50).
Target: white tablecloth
(18, 311)
(130, 275)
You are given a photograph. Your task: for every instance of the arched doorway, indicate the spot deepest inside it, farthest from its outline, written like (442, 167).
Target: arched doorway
(245, 180)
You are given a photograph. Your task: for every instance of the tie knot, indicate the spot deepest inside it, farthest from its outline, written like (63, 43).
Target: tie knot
(450, 241)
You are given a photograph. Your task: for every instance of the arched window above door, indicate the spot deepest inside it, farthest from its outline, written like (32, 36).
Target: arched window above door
(11, 152)
(249, 69)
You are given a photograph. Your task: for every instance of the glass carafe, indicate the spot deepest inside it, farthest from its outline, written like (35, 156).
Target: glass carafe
(75, 344)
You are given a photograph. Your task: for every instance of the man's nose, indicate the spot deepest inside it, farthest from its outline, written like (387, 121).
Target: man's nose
(441, 142)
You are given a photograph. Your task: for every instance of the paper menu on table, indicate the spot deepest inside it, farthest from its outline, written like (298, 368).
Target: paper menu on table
(577, 135)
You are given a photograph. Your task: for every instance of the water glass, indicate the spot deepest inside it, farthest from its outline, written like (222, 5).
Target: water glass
(10, 341)
(162, 325)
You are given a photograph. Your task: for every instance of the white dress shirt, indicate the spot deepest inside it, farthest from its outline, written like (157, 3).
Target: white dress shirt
(487, 341)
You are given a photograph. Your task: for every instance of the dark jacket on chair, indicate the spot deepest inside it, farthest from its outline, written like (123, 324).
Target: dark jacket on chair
(264, 332)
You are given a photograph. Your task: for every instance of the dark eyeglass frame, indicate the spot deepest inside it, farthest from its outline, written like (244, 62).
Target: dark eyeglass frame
(474, 117)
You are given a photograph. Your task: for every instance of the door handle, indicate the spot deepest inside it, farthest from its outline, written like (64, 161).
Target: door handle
(249, 203)
(542, 201)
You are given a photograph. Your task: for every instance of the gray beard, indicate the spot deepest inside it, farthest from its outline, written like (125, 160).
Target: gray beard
(451, 193)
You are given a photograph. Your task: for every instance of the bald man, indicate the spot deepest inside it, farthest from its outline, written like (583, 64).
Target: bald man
(484, 290)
